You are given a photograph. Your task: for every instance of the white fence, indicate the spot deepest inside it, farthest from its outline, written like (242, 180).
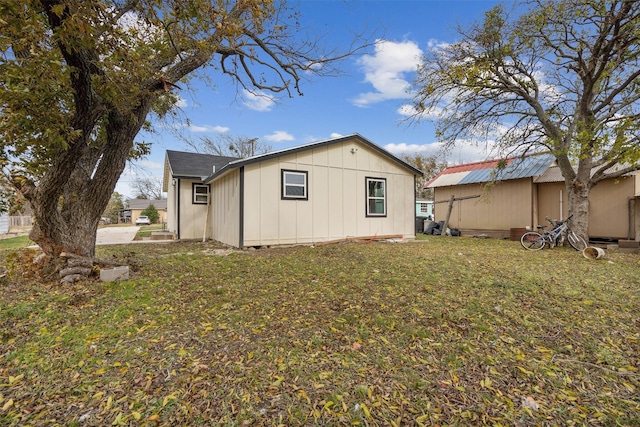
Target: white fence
(20, 221)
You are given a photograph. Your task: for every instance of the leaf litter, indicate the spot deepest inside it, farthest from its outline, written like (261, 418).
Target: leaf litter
(444, 332)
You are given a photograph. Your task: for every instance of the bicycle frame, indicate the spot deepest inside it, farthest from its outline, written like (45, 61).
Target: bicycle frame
(536, 240)
(556, 233)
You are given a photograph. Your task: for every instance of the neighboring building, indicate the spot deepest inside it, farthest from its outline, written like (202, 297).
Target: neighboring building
(525, 192)
(424, 208)
(136, 206)
(4, 223)
(329, 190)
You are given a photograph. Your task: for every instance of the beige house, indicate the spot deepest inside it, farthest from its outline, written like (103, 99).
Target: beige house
(341, 188)
(524, 193)
(136, 206)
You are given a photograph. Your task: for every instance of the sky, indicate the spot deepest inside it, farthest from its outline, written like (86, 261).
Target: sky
(369, 97)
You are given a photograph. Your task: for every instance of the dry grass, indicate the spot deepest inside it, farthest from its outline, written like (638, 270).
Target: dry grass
(449, 331)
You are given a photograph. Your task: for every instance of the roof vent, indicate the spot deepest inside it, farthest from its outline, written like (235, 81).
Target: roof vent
(214, 169)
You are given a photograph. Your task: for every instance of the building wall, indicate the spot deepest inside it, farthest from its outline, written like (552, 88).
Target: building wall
(505, 205)
(162, 215)
(172, 206)
(180, 207)
(337, 199)
(519, 203)
(224, 220)
(608, 207)
(424, 208)
(4, 223)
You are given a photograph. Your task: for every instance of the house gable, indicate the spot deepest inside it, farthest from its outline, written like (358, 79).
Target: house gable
(336, 200)
(309, 149)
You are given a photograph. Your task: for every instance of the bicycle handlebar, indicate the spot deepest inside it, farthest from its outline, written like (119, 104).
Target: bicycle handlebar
(560, 222)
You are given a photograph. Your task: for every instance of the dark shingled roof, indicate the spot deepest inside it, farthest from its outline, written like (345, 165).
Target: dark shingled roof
(195, 165)
(144, 204)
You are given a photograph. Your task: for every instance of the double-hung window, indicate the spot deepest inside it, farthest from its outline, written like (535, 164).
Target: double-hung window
(376, 196)
(200, 194)
(295, 185)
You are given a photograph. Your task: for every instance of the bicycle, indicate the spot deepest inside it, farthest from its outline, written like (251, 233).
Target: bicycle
(534, 241)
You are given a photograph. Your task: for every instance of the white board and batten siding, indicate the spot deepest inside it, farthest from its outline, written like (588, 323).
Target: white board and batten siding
(180, 208)
(336, 205)
(224, 221)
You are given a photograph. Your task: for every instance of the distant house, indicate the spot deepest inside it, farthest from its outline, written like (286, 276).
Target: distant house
(341, 188)
(525, 192)
(136, 206)
(424, 207)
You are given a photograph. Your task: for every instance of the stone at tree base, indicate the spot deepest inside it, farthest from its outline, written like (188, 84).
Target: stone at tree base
(114, 274)
(72, 278)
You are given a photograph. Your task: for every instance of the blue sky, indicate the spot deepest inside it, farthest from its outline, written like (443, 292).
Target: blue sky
(368, 98)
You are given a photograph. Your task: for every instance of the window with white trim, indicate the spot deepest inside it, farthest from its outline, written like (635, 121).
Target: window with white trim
(295, 185)
(376, 196)
(200, 194)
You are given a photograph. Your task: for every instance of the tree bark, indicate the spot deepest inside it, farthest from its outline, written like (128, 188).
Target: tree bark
(578, 195)
(68, 215)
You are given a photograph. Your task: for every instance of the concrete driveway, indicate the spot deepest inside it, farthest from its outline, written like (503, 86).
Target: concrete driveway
(116, 235)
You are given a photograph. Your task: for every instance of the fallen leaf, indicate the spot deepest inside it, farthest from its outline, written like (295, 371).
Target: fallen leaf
(529, 403)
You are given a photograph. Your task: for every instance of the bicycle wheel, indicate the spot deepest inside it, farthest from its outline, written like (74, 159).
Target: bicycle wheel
(576, 241)
(532, 241)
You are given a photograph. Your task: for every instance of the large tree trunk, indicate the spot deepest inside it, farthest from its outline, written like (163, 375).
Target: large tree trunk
(579, 185)
(578, 194)
(67, 211)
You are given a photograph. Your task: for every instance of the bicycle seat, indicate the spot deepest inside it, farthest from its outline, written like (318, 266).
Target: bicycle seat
(541, 227)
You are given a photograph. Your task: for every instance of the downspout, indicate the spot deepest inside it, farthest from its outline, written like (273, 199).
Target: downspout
(631, 218)
(415, 201)
(241, 210)
(206, 218)
(533, 187)
(178, 209)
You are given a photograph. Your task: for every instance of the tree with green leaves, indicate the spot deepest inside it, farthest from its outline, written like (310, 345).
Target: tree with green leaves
(115, 205)
(152, 213)
(80, 79)
(562, 76)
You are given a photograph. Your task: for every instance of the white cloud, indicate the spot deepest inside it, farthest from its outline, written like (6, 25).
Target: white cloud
(181, 102)
(335, 135)
(386, 70)
(148, 164)
(408, 110)
(207, 128)
(463, 152)
(279, 136)
(259, 101)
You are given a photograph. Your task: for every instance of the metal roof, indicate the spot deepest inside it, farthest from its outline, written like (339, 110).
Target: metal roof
(487, 171)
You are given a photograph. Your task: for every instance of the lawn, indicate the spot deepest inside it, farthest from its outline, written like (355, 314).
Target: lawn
(447, 331)
(13, 243)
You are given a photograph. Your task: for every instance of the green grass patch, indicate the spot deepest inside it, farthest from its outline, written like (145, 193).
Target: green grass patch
(13, 243)
(447, 331)
(146, 230)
